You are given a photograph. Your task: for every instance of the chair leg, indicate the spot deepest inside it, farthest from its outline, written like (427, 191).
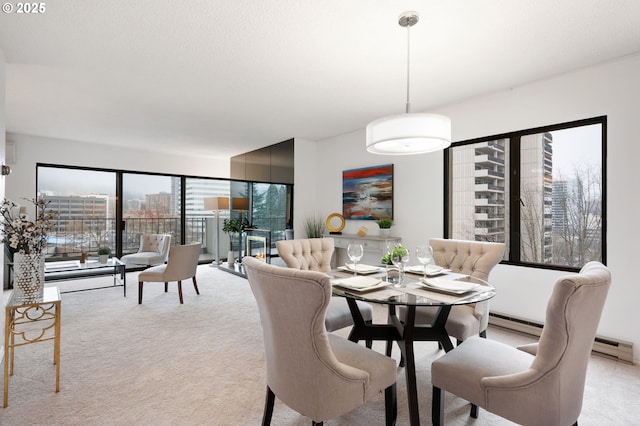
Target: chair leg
(139, 292)
(166, 287)
(389, 347)
(390, 405)
(483, 334)
(195, 285)
(369, 342)
(437, 407)
(458, 342)
(268, 407)
(474, 411)
(180, 290)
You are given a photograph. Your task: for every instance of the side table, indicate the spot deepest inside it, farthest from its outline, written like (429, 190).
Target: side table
(44, 313)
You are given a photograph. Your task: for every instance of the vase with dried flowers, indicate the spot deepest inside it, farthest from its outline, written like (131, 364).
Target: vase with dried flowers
(27, 240)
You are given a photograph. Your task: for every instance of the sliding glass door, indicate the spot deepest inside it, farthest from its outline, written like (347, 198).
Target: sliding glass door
(150, 205)
(114, 208)
(84, 201)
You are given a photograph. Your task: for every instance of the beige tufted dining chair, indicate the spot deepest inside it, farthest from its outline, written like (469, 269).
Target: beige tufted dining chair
(181, 265)
(538, 384)
(318, 374)
(474, 258)
(314, 254)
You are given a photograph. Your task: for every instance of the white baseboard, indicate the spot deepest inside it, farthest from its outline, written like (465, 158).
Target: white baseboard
(613, 348)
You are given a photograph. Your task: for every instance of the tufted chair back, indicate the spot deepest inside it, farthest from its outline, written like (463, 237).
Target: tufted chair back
(313, 254)
(540, 383)
(318, 374)
(475, 258)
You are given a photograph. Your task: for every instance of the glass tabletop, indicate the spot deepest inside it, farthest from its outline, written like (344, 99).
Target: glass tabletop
(75, 265)
(446, 289)
(50, 295)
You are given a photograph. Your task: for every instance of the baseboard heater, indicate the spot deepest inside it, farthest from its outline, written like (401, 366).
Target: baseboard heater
(612, 348)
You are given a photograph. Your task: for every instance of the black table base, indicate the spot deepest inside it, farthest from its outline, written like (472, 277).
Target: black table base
(404, 333)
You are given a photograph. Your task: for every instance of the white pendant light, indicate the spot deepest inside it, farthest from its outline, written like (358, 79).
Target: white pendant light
(407, 134)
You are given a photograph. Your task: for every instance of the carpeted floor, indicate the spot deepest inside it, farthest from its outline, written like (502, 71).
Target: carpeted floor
(201, 363)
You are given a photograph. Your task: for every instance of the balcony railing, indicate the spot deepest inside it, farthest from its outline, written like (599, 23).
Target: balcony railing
(70, 238)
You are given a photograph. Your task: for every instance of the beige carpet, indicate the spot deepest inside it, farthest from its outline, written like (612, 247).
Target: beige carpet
(201, 363)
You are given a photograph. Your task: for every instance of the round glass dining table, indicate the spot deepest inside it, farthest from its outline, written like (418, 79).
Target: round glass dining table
(446, 290)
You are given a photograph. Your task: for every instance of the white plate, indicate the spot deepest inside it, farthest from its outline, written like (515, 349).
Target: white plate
(360, 283)
(449, 286)
(432, 270)
(362, 269)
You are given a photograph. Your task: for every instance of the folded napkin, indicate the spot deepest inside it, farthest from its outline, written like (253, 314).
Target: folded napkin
(449, 285)
(358, 282)
(419, 269)
(361, 268)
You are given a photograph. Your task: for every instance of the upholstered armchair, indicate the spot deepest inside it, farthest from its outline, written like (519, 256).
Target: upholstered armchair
(153, 250)
(318, 374)
(538, 384)
(314, 254)
(474, 258)
(182, 264)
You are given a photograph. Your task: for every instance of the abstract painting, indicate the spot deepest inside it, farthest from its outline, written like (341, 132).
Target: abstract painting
(367, 193)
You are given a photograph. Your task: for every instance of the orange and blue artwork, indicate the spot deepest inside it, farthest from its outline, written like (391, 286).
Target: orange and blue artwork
(367, 193)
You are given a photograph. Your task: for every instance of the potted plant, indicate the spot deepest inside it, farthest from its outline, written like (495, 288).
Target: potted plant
(103, 254)
(385, 225)
(393, 272)
(231, 227)
(314, 226)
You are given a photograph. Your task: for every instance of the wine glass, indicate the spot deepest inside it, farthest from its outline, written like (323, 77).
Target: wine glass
(424, 256)
(355, 253)
(400, 257)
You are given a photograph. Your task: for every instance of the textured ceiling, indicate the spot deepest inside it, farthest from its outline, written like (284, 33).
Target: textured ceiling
(220, 77)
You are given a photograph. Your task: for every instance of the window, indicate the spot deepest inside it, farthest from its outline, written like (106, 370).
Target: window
(540, 191)
(85, 203)
(114, 207)
(150, 205)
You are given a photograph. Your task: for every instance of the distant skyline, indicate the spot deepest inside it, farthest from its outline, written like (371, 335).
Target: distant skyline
(61, 181)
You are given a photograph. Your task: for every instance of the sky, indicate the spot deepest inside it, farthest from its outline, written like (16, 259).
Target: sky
(576, 146)
(62, 181)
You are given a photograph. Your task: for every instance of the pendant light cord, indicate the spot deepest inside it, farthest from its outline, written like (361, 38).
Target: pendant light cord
(408, 66)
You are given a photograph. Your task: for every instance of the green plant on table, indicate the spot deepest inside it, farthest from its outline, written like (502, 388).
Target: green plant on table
(104, 250)
(398, 249)
(385, 223)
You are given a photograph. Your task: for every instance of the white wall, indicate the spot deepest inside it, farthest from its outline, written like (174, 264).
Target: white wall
(34, 149)
(611, 89)
(304, 200)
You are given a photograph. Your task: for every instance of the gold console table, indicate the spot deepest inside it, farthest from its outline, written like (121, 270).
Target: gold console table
(20, 321)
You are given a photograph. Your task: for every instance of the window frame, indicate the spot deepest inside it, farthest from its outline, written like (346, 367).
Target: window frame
(514, 218)
(119, 187)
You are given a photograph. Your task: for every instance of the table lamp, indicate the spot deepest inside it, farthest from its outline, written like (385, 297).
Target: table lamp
(216, 204)
(241, 205)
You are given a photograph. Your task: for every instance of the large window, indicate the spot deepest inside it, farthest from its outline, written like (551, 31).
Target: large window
(540, 191)
(150, 205)
(114, 207)
(85, 203)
